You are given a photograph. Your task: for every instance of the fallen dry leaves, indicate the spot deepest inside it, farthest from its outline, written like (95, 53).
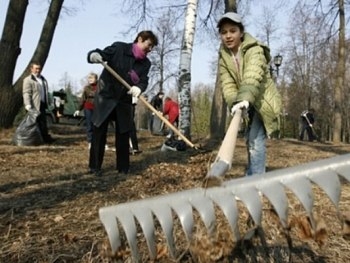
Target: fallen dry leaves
(49, 204)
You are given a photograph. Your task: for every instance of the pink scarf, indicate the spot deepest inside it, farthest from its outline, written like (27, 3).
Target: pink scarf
(138, 52)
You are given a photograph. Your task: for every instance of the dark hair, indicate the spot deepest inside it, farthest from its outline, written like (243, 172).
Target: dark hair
(35, 63)
(227, 20)
(147, 34)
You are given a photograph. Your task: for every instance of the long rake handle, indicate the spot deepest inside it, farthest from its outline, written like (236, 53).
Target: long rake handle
(228, 145)
(224, 157)
(159, 115)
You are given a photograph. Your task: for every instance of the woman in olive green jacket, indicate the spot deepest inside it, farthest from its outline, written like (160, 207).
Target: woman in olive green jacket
(247, 83)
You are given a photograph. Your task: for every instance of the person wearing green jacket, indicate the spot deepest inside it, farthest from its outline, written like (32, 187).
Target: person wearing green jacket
(247, 84)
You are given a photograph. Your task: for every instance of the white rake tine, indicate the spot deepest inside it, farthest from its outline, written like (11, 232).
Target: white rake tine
(275, 193)
(164, 216)
(127, 221)
(109, 220)
(330, 183)
(344, 172)
(206, 210)
(302, 188)
(227, 203)
(250, 197)
(184, 211)
(145, 219)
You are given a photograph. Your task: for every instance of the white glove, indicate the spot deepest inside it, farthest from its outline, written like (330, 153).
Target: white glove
(310, 125)
(76, 113)
(95, 57)
(28, 107)
(239, 105)
(134, 91)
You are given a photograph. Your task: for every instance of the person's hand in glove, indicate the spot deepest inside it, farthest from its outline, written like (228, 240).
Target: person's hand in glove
(28, 107)
(76, 113)
(134, 91)
(244, 104)
(95, 57)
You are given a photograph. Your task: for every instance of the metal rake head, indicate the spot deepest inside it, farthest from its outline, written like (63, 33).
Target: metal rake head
(248, 190)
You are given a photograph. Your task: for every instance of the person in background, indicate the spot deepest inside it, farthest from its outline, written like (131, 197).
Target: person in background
(307, 122)
(171, 109)
(113, 101)
(36, 97)
(247, 84)
(157, 103)
(87, 104)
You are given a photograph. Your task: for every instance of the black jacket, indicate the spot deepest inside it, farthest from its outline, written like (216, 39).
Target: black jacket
(111, 92)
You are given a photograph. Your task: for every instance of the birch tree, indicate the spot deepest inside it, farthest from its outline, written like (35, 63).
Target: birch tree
(184, 80)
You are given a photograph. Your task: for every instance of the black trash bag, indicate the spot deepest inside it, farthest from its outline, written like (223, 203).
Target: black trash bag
(28, 132)
(178, 145)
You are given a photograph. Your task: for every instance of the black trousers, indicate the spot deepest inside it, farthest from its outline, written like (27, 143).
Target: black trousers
(306, 127)
(41, 120)
(98, 142)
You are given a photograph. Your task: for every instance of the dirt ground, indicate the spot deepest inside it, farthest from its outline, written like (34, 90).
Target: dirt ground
(49, 203)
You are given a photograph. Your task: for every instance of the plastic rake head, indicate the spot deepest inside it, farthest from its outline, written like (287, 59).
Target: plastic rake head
(298, 179)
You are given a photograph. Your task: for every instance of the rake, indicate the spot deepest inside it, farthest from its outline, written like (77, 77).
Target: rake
(248, 190)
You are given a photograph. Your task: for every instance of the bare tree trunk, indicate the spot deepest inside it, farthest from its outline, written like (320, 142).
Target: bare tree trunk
(219, 107)
(11, 97)
(339, 87)
(218, 112)
(184, 82)
(10, 50)
(43, 48)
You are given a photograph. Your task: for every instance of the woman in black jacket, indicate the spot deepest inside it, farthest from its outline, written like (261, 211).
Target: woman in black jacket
(113, 101)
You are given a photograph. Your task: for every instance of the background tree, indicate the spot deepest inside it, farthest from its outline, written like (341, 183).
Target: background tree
(201, 107)
(11, 96)
(184, 78)
(162, 73)
(339, 87)
(315, 63)
(10, 50)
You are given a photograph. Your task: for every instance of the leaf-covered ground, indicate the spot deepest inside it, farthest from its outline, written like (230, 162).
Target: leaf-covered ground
(49, 203)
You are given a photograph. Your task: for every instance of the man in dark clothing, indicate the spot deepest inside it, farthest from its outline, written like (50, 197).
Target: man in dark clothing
(113, 102)
(307, 121)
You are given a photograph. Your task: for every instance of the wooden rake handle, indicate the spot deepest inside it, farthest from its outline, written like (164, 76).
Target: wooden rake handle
(141, 98)
(224, 157)
(228, 145)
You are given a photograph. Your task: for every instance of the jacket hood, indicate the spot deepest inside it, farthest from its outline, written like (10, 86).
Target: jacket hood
(249, 41)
